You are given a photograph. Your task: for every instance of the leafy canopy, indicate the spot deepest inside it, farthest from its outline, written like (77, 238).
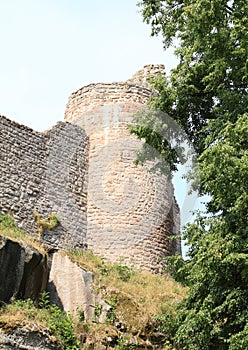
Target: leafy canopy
(207, 95)
(210, 81)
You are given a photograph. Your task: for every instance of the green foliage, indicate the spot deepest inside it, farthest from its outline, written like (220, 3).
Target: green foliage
(124, 272)
(9, 227)
(210, 81)
(57, 321)
(7, 221)
(60, 323)
(214, 316)
(44, 301)
(111, 313)
(27, 305)
(206, 94)
(98, 310)
(160, 132)
(103, 268)
(80, 314)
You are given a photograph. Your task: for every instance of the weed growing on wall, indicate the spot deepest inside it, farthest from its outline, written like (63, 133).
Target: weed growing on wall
(44, 224)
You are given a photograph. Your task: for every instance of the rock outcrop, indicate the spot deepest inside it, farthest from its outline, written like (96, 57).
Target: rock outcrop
(23, 271)
(24, 338)
(70, 287)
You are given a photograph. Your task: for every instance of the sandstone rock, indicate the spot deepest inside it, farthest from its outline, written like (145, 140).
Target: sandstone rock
(23, 271)
(71, 287)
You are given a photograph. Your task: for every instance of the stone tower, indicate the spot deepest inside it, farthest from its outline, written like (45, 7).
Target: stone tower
(131, 212)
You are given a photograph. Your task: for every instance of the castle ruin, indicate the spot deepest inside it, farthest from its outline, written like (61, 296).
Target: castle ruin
(83, 170)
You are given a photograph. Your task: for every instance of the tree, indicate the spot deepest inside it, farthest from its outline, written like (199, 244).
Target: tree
(207, 95)
(215, 314)
(210, 81)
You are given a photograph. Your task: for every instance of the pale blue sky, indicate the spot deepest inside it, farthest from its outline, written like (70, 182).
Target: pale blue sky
(50, 48)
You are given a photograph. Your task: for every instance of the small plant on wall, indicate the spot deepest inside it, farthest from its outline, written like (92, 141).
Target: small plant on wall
(44, 224)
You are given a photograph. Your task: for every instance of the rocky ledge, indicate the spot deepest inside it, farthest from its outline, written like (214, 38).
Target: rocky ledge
(23, 271)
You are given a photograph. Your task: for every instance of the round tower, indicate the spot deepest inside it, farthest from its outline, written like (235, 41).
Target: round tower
(131, 212)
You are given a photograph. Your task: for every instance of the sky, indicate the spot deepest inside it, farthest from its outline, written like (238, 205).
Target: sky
(50, 48)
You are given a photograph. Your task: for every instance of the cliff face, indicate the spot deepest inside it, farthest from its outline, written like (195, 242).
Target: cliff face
(117, 306)
(23, 271)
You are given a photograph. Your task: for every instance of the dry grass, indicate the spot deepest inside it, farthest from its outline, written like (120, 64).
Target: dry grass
(153, 291)
(138, 296)
(20, 314)
(9, 229)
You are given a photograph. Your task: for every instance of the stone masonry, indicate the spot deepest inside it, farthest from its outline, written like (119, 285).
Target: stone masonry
(83, 170)
(131, 213)
(45, 173)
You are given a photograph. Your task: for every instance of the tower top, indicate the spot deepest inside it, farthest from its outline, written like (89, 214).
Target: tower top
(93, 96)
(143, 75)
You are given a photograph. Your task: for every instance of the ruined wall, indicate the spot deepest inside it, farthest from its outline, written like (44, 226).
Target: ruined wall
(88, 178)
(46, 173)
(136, 90)
(131, 212)
(142, 77)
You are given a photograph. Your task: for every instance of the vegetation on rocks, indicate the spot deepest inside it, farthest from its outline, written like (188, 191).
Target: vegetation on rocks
(44, 318)
(133, 302)
(9, 229)
(136, 300)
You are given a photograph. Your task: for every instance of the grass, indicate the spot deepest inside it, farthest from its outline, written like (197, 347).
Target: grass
(9, 229)
(137, 299)
(23, 314)
(46, 319)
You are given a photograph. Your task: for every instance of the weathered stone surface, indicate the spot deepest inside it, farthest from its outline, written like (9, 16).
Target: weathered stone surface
(27, 339)
(45, 173)
(131, 213)
(88, 178)
(71, 287)
(23, 271)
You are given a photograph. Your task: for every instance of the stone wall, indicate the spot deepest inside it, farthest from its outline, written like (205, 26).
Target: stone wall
(142, 77)
(135, 91)
(131, 212)
(45, 173)
(88, 178)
